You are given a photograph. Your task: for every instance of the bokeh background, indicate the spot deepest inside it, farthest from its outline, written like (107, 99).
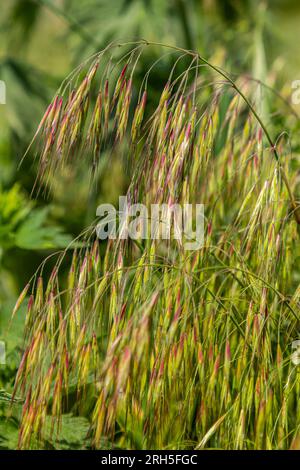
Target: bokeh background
(41, 41)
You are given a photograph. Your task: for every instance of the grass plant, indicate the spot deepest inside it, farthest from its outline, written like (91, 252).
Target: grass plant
(158, 347)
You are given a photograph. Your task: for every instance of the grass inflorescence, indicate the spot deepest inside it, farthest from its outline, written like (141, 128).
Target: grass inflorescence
(161, 347)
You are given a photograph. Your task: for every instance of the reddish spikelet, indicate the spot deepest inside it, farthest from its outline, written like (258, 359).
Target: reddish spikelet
(30, 304)
(51, 126)
(165, 95)
(227, 351)
(177, 314)
(94, 132)
(30, 307)
(120, 83)
(92, 72)
(57, 394)
(200, 355)
(39, 297)
(295, 445)
(56, 117)
(43, 120)
(95, 352)
(122, 313)
(123, 118)
(75, 112)
(20, 380)
(161, 368)
(48, 381)
(83, 273)
(106, 105)
(217, 364)
(209, 228)
(167, 126)
(20, 299)
(279, 356)
(138, 117)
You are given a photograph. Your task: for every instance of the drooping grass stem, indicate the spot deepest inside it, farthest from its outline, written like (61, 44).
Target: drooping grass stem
(294, 204)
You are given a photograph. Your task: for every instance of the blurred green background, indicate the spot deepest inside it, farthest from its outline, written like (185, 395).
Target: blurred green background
(41, 41)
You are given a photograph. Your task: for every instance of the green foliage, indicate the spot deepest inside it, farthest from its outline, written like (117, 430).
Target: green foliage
(8, 398)
(72, 435)
(23, 226)
(26, 227)
(8, 434)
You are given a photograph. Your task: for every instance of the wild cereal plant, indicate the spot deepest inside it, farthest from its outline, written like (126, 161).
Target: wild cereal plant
(160, 347)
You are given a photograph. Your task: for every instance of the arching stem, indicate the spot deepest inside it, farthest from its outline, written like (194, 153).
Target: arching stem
(295, 206)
